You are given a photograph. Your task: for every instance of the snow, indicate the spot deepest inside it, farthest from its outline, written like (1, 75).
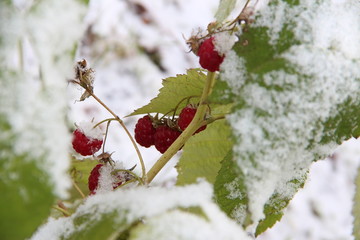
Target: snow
(88, 129)
(154, 204)
(36, 95)
(224, 42)
(279, 140)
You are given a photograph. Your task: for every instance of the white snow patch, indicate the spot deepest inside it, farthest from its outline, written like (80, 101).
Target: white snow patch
(233, 71)
(88, 129)
(151, 202)
(224, 42)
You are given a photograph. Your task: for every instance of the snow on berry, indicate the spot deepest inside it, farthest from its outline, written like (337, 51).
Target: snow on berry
(102, 179)
(186, 116)
(144, 132)
(223, 42)
(164, 137)
(93, 180)
(85, 145)
(209, 58)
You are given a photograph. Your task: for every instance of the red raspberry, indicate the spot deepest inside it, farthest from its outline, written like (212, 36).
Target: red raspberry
(209, 57)
(164, 137)
(93, 180)
(144, 132)
(186, 116)
(85, 145)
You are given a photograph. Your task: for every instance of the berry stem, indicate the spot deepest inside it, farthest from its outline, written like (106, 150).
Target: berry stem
(188, 132)
(118, 119)
(78, 189)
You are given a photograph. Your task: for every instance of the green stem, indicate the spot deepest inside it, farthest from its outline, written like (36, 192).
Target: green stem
(63, 211)
(187, 133)
(117, 118)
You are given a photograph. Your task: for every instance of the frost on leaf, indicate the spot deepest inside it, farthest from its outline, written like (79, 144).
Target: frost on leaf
(297, 99)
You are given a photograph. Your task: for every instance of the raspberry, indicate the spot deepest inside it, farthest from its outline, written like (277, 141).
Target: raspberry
(85, 145)
(186, 116)
(164, 137)
(144, 132)
(209, 57)
(93, 180)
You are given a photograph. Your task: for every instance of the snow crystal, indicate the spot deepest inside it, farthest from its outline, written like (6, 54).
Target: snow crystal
(276, 127)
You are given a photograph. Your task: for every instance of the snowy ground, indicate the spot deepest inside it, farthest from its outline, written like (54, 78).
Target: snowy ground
(132, 45)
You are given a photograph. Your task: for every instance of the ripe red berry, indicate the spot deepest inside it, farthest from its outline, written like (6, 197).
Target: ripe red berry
(164, 137)
(144, 132)
(209, 57)
(186, 116)
(85, 145)
(93, 180)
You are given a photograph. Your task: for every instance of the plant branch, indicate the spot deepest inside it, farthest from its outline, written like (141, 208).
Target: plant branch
(118, 119)
(188, 132)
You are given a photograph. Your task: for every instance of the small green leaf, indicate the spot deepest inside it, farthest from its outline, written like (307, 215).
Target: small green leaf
(175, 90)
(203, 153)
(224, 9)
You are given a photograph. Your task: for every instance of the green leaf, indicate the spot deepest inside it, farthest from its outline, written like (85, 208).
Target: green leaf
(230, 190)
(175, 90)
(26, 196)
(345, 124)
(80, 171)
(109, 226)
(224, 9)
(203, 153)
(287, 113)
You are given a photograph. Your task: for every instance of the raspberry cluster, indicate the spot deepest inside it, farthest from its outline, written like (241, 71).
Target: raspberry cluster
(161, 133)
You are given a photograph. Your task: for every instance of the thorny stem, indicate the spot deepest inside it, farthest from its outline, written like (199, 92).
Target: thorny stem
(117, 118)
(188, 132)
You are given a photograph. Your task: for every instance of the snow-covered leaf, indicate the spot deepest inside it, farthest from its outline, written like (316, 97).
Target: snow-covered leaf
(296, 96)
(33, 130)
(112, 214)
(175, 90)
(203, 152)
